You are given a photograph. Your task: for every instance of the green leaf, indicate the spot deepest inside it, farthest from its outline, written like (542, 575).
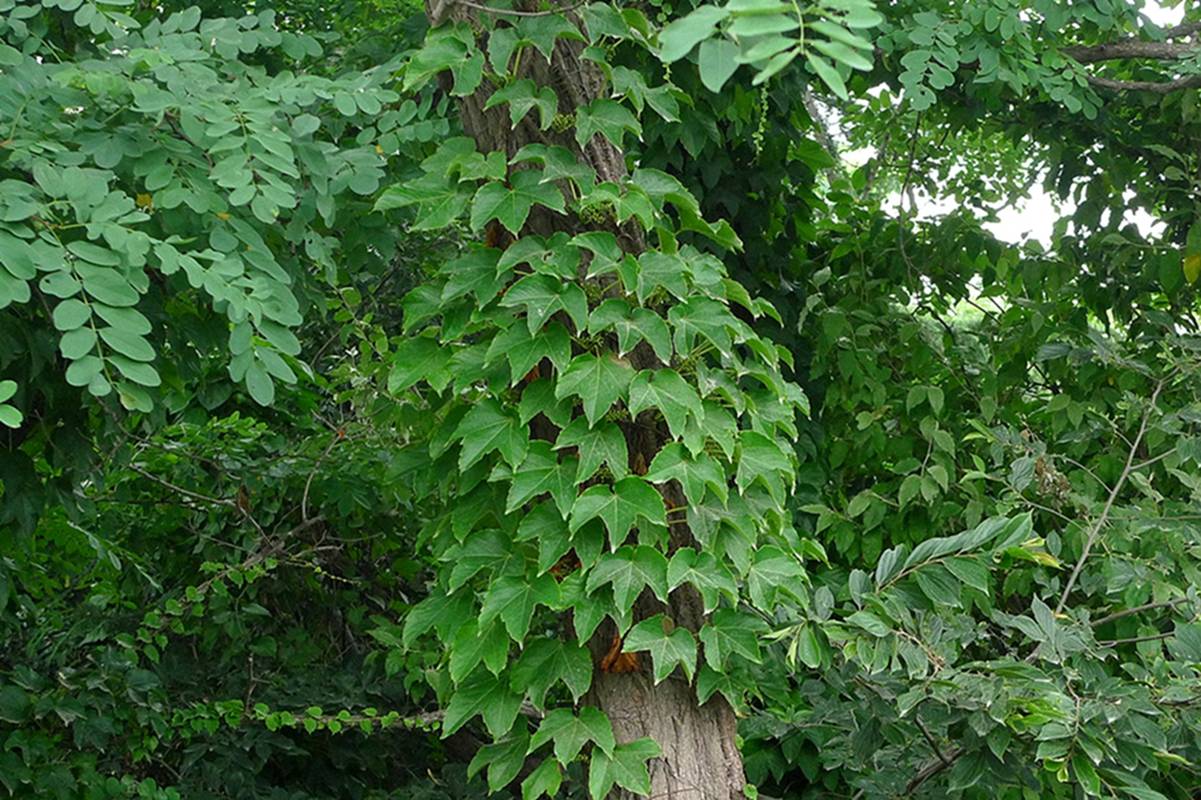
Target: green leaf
(670, 646)
(544, 295)
(524, 350)
(710, 577)
(619, 507)
(760, 458)
(599, 381)
(727, 633)
(473, 644)
(503, 759)
(771, 571)
(7, 390)
(630, 570)
(523, 96)
(542, 473)
(669, 394)
(718, 60)
(544, 780)
(828, 74)
(694, 474)
(870, 623)
(483, 694)
(545, 662)
(626, 768)
(607, 117)
(570, 732)
(602, 444)
(487, 427)
(419, 358)
(632, 325)
(680, 36)
(511, 205)
(70, 314)
(514, 600)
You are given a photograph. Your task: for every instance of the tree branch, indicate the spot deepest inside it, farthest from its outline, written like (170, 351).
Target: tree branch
(1130, 612)
(1157, 87)
(1091, 538)
(1130, 48)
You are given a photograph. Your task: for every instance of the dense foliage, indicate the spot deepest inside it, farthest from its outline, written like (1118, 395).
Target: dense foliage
(403, 402)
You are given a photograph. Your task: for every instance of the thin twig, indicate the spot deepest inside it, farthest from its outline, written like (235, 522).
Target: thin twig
(1091, 538)
(304, 499)
(1136, 639)
(509, 12)
(921, 726)
(930, 770)
(1130, 612)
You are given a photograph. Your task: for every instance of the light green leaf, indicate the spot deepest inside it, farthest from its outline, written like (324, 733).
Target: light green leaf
(669, 394)
(487, 696)
(487, 427)
(514, 600)
(570, 732)
(680, 36)
(602, 444)
(599, 381)
(511, 205)
(607, 117)
(718, 60)
(670, 646)
(630, 570)
(545, 662)
(619, 507)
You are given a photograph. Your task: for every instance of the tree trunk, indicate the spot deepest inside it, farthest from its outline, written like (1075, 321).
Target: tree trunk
(700, 758)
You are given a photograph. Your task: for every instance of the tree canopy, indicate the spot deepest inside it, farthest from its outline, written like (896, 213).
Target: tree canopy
(599, 400)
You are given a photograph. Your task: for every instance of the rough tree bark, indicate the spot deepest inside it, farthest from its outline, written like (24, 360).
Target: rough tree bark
(700, 759)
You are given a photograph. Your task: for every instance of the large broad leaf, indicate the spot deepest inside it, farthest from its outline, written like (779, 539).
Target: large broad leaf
(483, 694)
(695, 474)
(419, 358)
(760, 458)
(488, 427)
(570, 732)
(524, 350)
(599, 382)
(772, 570)
(524, 95)
(619, 507)
(626, 767)
(632, 325)
(630, 570)
(669, 394)
(544, 295)
(545, 662)
(678, 38)
(514, 600)
(729, 632)
(600, 444)
(710, 577)
(543, 473)
(670, 646)
(504, 760)
(475, 643)
(510, 205)
(607, 117)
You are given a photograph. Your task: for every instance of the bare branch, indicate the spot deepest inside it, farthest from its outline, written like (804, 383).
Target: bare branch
(1130, 612)
(1130, 48)
(1157, 87)
(1091, 538)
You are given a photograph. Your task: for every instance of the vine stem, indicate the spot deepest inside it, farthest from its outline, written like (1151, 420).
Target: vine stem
(1095, 530)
